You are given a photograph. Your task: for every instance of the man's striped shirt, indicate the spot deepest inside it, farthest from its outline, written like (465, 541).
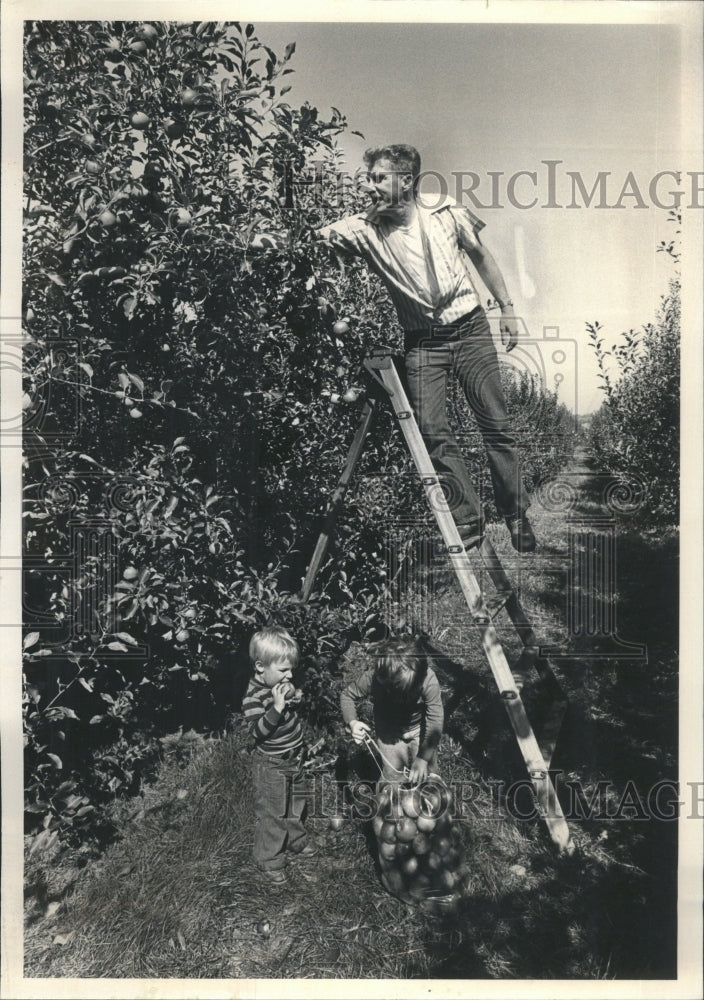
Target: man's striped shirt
(273, 732)
(393, 252)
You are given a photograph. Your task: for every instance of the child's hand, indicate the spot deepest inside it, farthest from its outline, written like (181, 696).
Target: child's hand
(280, 691)
(359, 730)
(419, 770)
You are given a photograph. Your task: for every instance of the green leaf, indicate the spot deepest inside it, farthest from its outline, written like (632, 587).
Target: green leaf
(126, 637)
(58, 763)
(30, 640)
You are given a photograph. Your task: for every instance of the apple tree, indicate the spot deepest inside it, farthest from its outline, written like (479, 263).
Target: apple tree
(179, 389)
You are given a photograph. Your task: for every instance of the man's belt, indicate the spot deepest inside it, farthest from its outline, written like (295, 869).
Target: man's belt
(441, 331)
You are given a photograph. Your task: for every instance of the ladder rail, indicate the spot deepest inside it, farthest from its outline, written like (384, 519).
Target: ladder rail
(353, 456)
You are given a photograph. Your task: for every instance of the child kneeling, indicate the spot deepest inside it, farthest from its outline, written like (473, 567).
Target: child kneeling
(407, 706)
(279, 797)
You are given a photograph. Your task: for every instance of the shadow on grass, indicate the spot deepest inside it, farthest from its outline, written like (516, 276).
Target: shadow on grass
(620, 729)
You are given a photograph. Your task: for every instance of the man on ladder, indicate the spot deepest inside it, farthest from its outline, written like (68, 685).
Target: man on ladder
(418, 253)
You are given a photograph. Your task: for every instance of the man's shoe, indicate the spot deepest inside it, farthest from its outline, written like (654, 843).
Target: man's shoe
(522, 537)
(472, 535)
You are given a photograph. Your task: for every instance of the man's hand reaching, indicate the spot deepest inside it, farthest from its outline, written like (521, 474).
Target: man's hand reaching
(509, 328)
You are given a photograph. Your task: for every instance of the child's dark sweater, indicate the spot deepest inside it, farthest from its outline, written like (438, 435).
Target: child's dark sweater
(394, 720)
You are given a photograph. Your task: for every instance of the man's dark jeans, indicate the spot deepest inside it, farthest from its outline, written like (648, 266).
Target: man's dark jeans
(466, 351)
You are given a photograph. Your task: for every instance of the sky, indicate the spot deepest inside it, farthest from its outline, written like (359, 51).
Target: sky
(503, 98)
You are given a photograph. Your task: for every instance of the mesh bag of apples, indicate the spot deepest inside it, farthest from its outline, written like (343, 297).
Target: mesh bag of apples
(419, 845)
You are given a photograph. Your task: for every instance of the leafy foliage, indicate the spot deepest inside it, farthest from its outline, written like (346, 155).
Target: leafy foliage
(636, 430)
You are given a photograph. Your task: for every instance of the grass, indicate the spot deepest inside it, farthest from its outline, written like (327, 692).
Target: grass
(178, 897)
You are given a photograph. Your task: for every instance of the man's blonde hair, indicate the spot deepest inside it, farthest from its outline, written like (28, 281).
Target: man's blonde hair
(273, 643)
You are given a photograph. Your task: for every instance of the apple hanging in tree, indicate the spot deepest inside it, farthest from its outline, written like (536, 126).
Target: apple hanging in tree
(147, 32)
(140, 120)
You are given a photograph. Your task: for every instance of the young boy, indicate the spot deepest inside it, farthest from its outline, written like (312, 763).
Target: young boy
(408, 713)
(278, 737)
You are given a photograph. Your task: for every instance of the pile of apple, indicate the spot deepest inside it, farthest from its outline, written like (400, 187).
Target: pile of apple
(419, 845)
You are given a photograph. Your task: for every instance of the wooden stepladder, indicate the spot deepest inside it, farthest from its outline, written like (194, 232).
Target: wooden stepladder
(537, 755)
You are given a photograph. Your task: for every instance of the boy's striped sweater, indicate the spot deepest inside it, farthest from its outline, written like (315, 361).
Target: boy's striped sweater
(274, 732)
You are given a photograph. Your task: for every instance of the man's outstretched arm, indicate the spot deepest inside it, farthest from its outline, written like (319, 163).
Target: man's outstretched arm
(280, 241)
(490, 273)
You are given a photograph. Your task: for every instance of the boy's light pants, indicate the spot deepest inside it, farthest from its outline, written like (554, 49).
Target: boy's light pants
(279, 812)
